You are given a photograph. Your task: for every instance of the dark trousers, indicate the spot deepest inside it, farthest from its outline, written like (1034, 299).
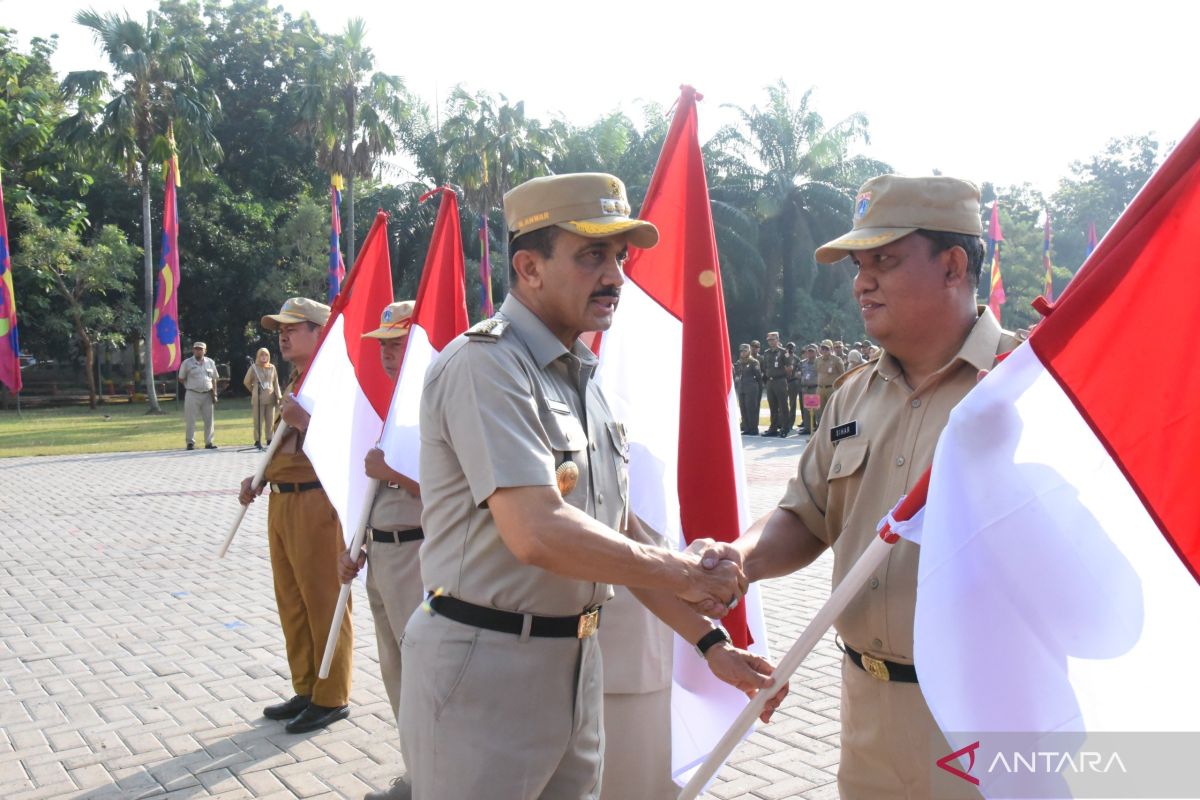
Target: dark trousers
(749, 402)
(777, 401)
(793, 396)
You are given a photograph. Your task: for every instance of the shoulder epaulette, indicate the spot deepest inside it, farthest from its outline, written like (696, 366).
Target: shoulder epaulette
(845, 376)
(489, 330)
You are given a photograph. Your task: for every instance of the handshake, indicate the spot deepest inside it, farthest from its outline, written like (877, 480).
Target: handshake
(715, 581)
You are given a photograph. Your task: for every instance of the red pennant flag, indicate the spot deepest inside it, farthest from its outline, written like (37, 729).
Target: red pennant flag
(165, 353)
(10, 348)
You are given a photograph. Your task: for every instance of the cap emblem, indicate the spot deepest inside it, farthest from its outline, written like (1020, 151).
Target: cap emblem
(861, 203)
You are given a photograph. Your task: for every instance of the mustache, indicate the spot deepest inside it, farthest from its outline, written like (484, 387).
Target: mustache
(610, 291)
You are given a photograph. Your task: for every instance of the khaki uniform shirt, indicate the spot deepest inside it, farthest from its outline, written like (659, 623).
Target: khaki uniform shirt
(395, 509)
(829, 369)
(198, 376)
(503, 406)
(843, 488)
(263, 384)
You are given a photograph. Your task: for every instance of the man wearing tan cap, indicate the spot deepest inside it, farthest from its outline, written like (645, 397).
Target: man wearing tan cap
(829, 369)
(305, 540)
(525, 489)
(916, 245)
(393, 539)
(198, 376)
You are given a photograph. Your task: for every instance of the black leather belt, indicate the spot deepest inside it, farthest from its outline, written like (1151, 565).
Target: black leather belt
(878, 668)
(398, 537)
(285, 488)
(580, 626)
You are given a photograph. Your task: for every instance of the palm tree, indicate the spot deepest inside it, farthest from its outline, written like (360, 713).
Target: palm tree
(790, 168)
(159, 90)
(354, 116)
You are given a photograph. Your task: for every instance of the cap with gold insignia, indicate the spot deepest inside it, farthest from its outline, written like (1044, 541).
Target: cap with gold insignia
(297, 309)
(394, 322)
(890, 207)
(590, 204)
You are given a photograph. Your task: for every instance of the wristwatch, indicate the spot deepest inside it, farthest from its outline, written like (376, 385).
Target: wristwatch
(713, 637)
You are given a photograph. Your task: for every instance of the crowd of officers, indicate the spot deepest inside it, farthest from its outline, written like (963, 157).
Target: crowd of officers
(797, 385)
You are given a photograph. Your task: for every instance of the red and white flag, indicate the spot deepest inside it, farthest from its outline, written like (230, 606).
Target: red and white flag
(686, 474)
(345, 389)
(439, 315)
(1059, 578)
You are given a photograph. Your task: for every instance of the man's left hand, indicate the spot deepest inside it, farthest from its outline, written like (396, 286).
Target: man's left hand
(746, 672)
(293, 413)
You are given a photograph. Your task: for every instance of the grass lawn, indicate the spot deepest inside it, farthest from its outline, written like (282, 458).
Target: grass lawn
(117, 427)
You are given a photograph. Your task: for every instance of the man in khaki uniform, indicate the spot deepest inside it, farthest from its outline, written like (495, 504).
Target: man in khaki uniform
(916, 244)
(306, 541)
(774, 371)
(829, 369)
(198, 375)
(393, 538)
(523, 476)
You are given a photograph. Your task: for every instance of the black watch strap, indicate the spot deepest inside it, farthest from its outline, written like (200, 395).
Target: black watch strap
(713, 637)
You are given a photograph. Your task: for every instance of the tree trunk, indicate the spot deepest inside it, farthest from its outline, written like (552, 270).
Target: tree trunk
(350, 221)
(350, 126)
(89, 359)
(787, 306)
(148, 262)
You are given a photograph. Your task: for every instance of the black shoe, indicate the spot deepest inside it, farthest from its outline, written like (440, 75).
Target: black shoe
(287, 710)
(191, 446)
(210, 447)
(315, 716)
(258, 445)
(771, 432)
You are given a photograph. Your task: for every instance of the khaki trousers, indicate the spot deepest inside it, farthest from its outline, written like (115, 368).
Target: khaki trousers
(264, 421)
(824, 392)
(637, 763)
(394, 591)
(197, 404)
(890, 743)
(490, 715)
(305, 541)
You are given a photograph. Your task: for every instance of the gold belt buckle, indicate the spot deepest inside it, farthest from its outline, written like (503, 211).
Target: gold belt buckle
(589, 621)
(875, 667)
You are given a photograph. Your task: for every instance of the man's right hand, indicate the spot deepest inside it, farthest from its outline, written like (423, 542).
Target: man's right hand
(348, 568)
(247, 494)
(720, 586)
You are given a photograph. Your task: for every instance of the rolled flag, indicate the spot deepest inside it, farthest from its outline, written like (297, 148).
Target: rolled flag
(439, 316)
(996, 296)
(486, 308)
(686, 474)
(165, 353)
(10, 345)
(337, 264)
(345, 389)
(1060, 548)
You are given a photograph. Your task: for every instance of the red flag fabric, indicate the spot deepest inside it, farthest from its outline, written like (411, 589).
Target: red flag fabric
(682, 273)
(165, 352)
(441, 305)
(10, 347)
(996, 295)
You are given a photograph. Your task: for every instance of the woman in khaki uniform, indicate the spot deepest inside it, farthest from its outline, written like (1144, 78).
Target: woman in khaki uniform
(262, 381)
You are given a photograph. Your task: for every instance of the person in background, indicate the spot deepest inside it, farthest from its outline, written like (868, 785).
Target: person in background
(198, 375)
(262, 381)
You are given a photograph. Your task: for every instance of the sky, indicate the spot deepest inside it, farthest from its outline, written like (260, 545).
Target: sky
(1005, 92)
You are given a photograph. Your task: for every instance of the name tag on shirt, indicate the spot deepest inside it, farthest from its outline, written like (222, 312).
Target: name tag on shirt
(846, 431)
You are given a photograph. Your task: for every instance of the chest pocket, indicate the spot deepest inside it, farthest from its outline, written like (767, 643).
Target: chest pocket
(848, 459)
(569, 443)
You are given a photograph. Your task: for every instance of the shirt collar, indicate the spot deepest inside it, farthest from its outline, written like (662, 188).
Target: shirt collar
(543, 345)
(978, 350)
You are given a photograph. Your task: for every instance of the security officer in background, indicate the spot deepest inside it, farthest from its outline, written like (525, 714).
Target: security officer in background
(756, 353)
(198, 375)
(917, 248)
(747, 380)
(525, 489)
(393, 539)
(305, 539)
(774, 367)
(793, 385)
(829, 369)
(806, 372)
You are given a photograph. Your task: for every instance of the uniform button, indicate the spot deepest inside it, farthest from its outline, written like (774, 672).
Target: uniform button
(600, 499)
(876, 643)
(593, 447)
(916, 403)
(900, 461)
(837, 468)
(874, 583)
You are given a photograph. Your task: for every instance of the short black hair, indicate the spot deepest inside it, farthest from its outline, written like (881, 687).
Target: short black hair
(540, 241)
(941, 241)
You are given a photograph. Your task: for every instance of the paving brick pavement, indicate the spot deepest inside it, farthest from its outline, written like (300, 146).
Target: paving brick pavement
(134, 664)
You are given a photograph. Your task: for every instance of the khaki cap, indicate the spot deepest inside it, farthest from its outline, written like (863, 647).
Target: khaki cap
(827, 343)
(297, 309)
(590, 204)
(200, 345)
(394, 322)
(890, 207)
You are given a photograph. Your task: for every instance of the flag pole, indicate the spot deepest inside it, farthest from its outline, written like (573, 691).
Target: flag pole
(256, 481)
(855, 579)
(335, 625)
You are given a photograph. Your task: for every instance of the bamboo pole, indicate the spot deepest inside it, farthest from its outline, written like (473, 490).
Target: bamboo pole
(339, 613)
(276, 439)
